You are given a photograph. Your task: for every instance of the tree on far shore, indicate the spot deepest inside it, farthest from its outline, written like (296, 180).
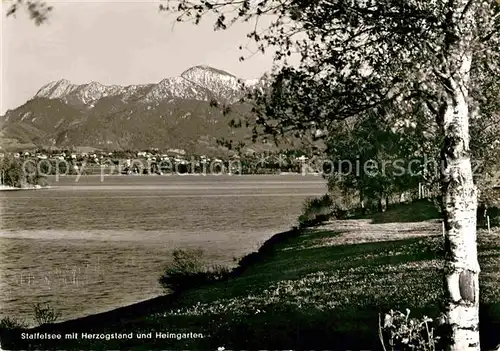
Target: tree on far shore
(11, 172)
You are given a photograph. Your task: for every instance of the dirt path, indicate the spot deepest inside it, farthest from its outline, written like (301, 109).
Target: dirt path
(359, 231)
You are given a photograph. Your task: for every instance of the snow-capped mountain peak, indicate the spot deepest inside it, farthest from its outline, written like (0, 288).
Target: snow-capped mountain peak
(222, 83)
(56, 89)
(197, 83)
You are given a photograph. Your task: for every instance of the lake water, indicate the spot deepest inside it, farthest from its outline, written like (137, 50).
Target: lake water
(91, 245)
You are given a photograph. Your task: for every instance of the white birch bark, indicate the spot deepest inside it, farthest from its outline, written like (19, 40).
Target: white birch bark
(459, 192)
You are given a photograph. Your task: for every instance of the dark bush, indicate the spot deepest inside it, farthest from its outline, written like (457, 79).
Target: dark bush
(317, 210)
(188, 270)
(484, 211)
(218, 272)
(45, 313)
(9, 323)
(494, 214)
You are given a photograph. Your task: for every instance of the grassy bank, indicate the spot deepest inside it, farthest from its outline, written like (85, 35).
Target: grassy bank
(316, 288)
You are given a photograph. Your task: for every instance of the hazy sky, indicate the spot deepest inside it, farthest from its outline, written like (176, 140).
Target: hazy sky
(113, 42)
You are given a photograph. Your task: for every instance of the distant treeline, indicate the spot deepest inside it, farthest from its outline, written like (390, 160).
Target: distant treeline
(142, 166)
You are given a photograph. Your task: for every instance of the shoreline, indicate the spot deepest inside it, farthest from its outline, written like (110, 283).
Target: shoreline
(267, 269)
(148, 306)
(12, 188)
(315, 174)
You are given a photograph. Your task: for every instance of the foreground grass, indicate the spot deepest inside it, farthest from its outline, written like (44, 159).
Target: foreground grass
(321, 289)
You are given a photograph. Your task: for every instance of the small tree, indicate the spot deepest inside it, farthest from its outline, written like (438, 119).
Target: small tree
(186, 267)
(12, 174)
(44, 313)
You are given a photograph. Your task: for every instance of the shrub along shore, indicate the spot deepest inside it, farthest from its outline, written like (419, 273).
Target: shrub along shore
(321, 287)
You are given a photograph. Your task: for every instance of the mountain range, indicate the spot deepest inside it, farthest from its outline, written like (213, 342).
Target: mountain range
(177, 112)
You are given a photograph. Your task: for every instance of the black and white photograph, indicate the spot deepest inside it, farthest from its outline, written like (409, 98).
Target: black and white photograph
(250, 175)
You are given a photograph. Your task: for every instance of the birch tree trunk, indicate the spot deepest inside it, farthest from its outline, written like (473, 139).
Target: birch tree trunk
(459, 192)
